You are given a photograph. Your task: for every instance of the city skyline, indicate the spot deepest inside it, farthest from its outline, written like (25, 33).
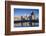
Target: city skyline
(23, 12)
(21, 19)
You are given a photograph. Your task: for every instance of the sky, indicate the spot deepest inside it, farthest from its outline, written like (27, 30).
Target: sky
(24, 12)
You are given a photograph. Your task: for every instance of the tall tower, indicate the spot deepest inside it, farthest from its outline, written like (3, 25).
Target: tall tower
(32, 16)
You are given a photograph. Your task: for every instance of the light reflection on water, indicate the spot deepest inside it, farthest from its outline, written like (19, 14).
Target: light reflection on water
(26, 24)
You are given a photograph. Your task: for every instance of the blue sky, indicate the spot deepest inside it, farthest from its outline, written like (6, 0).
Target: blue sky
(22, 12)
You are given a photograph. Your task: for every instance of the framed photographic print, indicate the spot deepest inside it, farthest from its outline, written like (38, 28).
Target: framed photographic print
(24, 17)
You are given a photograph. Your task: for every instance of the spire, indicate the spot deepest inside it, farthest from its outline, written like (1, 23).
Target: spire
(32, 13)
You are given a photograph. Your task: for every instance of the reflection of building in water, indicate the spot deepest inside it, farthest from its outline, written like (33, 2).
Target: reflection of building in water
(26, 24)
(17, 24)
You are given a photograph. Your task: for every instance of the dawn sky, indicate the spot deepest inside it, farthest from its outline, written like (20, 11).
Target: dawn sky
(23, 12)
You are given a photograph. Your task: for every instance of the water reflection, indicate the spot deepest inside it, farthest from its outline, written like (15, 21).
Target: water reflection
(26, 24)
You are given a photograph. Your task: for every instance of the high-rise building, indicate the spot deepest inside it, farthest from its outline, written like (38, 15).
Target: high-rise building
(32, 16)
(16, 18)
